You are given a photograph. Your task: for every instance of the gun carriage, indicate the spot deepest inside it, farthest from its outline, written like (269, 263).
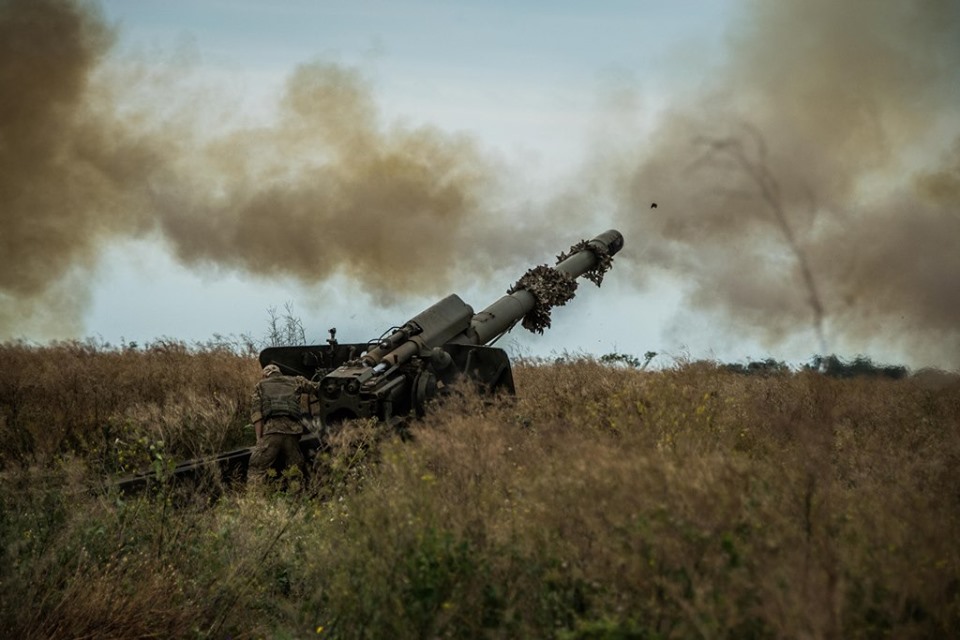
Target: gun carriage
(394, 377)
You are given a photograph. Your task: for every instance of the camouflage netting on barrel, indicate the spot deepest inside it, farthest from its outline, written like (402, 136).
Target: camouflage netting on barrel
(550, 288)
(604, 259)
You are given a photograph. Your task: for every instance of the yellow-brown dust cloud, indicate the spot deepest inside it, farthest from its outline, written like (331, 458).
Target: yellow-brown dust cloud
(806, 190)
(325, 188)
(60, 164)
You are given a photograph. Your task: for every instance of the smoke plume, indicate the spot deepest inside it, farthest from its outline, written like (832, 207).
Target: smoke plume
(806, 191)
(59, 164)
(326, 188)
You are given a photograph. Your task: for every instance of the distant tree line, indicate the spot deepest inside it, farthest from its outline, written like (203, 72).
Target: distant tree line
(832, 366)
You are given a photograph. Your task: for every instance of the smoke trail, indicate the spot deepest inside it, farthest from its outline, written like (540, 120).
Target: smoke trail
(845, 106)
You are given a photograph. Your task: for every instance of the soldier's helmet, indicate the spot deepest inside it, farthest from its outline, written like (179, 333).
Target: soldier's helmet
(270, 370)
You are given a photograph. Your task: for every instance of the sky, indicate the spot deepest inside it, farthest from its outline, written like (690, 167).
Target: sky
(175, 169)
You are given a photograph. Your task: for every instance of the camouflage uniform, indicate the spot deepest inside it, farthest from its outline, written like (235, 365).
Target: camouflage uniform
(275, 411)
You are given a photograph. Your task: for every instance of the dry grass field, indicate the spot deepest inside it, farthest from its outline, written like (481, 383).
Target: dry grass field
(602, 502)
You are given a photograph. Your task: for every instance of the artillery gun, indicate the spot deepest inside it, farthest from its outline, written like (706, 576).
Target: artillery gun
(394, 377)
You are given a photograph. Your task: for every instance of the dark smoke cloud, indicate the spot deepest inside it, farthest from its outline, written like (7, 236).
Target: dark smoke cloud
(327, 188)
(59, 162)
(806, 189)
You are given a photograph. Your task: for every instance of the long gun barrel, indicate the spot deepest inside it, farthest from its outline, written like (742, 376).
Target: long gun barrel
(532, 297)
(384, 380)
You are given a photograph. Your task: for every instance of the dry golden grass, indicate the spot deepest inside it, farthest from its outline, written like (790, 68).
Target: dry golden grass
(601, 502)
(76, 396)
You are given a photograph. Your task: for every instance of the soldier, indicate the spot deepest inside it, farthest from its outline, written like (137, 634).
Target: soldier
(278, 422)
